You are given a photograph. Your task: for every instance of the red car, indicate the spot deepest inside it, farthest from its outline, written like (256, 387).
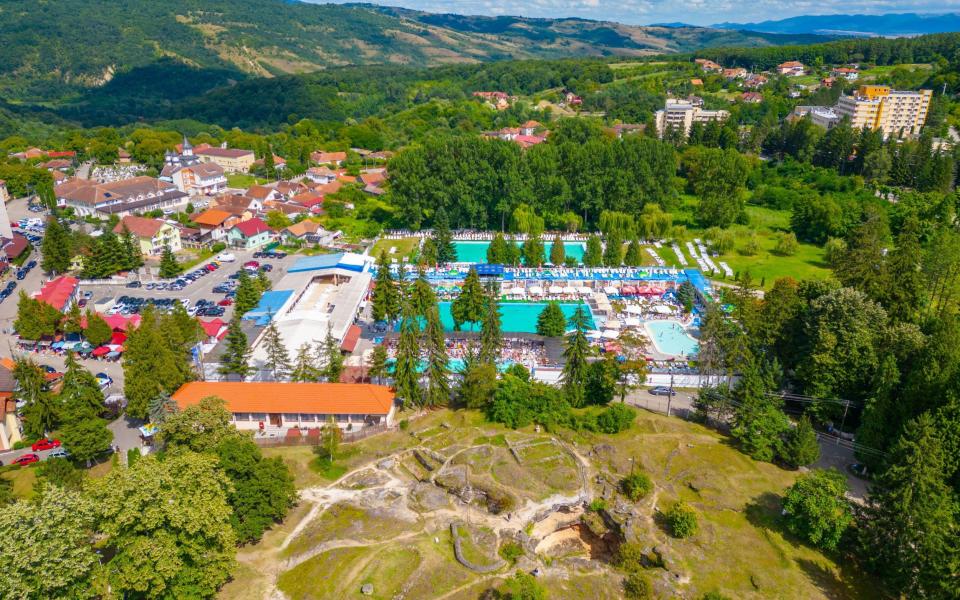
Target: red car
(45, 444)
(26, 459)
(251, 265)
(225, 302)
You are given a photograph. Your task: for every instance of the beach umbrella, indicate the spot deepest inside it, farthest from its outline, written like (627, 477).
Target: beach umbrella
(632, 322)
(536, 290)
(569, 290)
(610, 334)
(556, 289)
(518, 291)
(634, 309)
(101, 351)
(610, 290)
(584, 290)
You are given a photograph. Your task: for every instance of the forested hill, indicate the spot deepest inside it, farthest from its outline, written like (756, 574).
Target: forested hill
(52, 49)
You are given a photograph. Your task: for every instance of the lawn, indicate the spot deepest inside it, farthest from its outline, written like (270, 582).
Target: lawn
(243, 180)
(23, 479)
(402, 247)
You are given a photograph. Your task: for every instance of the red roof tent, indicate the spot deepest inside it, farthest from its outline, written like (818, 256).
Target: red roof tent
(57, 292)
(252, 227)
(350, 340)
(101, 351)
(215, 328)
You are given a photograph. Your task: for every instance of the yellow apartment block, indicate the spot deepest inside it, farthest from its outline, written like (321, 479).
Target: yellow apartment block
(894, 112)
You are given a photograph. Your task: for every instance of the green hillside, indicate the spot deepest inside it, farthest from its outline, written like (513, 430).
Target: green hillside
(54, 49)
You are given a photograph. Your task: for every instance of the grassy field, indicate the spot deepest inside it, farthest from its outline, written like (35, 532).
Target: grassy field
(381, 537)
(404, 246)
(23, 479)
(243, 180)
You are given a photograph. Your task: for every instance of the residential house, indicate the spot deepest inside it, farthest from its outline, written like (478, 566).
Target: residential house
(530, 127)
(328, 158)
(498, 100)
(708, 65)
(200, 179)
(735, 73)
(250, 234)
(57, 164)
(274, 407)
(29, 153)
(213, 224)
(59, 293)
(322, 175)
(827, 82)
(696, 82)
(4, 192)
(791, 68)
(308, 233)
(121, 198)
(290, 209)
(754, 81)
(263, 194)
(153, 234)
(622, 129)
(123, 157)
(312, 201)
(14, 246)
(572, 99)
(233, 160)
(9, 422)
(240, 205)
(752, 97)
(526, 141)
(847, 73)
(289, 189)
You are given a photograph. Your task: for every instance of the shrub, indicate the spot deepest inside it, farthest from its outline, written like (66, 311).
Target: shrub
(752, 247)
(682, 520)
(714, 596)
(787, 244)
(598, 504)
(510, 551)
(636, 485)
(218, 247)
(133, 455)
(523, 586)
(404, 425)
(630, 556)
(616, 418)
(637, 586)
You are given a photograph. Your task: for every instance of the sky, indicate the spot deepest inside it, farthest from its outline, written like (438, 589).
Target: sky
(696, 12)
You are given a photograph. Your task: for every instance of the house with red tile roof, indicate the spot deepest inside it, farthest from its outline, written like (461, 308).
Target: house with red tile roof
(328, 158)
(791, 68)
(250, 234)
(274, 407)
(59, 293)
(752, 97)
(153, 234)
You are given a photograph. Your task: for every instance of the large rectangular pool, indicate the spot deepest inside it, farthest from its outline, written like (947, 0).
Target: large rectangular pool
(476, 252)
(516, 317)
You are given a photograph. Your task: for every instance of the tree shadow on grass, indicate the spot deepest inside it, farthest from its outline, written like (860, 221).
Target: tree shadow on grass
(763, 512)
(850, 584)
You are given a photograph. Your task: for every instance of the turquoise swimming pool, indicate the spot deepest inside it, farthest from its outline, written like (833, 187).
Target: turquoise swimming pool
(516, 317)
(476, 252)
(670, 337)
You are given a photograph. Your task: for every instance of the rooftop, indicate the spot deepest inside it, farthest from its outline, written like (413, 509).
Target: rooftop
(272, 397)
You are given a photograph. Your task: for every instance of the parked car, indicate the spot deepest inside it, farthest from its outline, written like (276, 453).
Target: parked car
(251, 264)
(59, 453)
(662, 390)
(225, 302)
(226, 257)
(82, 302)
(26, 459)
(31, 264)
(44, 444)
(134, 284)
(266, 268)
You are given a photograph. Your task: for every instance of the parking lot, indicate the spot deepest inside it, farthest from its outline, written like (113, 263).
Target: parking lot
(201, 289)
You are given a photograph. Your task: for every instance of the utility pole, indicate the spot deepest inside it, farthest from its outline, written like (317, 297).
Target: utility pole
(846, 405)
(670, 395)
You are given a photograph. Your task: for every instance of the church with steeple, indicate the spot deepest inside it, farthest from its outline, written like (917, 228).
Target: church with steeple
(184, 158)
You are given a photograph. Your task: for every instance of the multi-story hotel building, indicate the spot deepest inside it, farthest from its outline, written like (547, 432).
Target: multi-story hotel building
(896, 113)
(682, 114)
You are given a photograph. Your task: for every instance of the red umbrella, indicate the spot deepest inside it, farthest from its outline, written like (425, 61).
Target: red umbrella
(117, 339)
(101, 351)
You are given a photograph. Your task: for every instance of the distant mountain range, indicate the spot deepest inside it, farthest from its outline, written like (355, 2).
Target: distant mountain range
(56, 50)
(858, 25)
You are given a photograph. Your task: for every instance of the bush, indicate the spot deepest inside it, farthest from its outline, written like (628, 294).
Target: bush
(523, 586)
(636, 486)
(510, 551)
(133, 455)
(218, 247)
(637, 586)
(714, 596)
(598, 504)
(752, 247)
(682, 520)
(787, 244)
(404, 425)
(630, 556)
(616, 418)
(22, 444)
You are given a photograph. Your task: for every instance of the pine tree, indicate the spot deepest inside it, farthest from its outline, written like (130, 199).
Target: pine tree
(80, 394)
(235, 362)
(132, 257)
(634, 256)
(40, 411)
(406, 378)
(428, 253)
(278, 359)
(613, 253)
(71, 322)
(98, 332)
(169, 267)
(248, 294)
(470, 306)
(333, 366)
(438, 369)
(378, 363)
(497, 251)
(268, 163)
(422, 295)
(909, 533)
(386, 296)
(558, 253)
(801, 447)
(56, 247)
(575, 359)
(491, 332)
(263, 282)
(161, 407)
(593, 255)
(443, 238)
(551, 322)
(305, 368)
(533, 252)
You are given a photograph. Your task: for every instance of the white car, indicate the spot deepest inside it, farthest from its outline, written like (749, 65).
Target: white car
(226, 257)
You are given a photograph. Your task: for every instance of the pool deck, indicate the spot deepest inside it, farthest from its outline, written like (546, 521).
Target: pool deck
(655, 351)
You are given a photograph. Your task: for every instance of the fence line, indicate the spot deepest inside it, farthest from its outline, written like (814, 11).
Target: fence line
(314, 440)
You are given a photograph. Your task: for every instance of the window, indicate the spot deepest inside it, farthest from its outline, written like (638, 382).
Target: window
(291, 417)
(308, 418)
(258, 416)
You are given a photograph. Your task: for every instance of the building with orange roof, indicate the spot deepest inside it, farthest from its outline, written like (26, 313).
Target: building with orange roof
(328, 158)
(275, 407)
(214, 224)
(60, 292)
(153, 234)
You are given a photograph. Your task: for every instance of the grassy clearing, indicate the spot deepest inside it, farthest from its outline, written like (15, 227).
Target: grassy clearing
(243, 180)
(23, 479)
(320, 576)
(345, 521)
(404, 246)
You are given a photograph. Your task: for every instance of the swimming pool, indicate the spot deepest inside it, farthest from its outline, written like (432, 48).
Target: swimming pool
(476, 252)
(670, 337)
(516, 317)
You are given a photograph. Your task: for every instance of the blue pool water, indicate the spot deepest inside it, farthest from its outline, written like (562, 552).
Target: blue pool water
(670, 337)
(476, 252)
(456, 365)
(515, 317)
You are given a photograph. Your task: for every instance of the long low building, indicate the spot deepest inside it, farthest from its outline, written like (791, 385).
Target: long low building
(274, 408)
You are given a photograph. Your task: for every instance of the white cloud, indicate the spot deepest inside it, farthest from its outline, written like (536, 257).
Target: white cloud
(699, 12)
